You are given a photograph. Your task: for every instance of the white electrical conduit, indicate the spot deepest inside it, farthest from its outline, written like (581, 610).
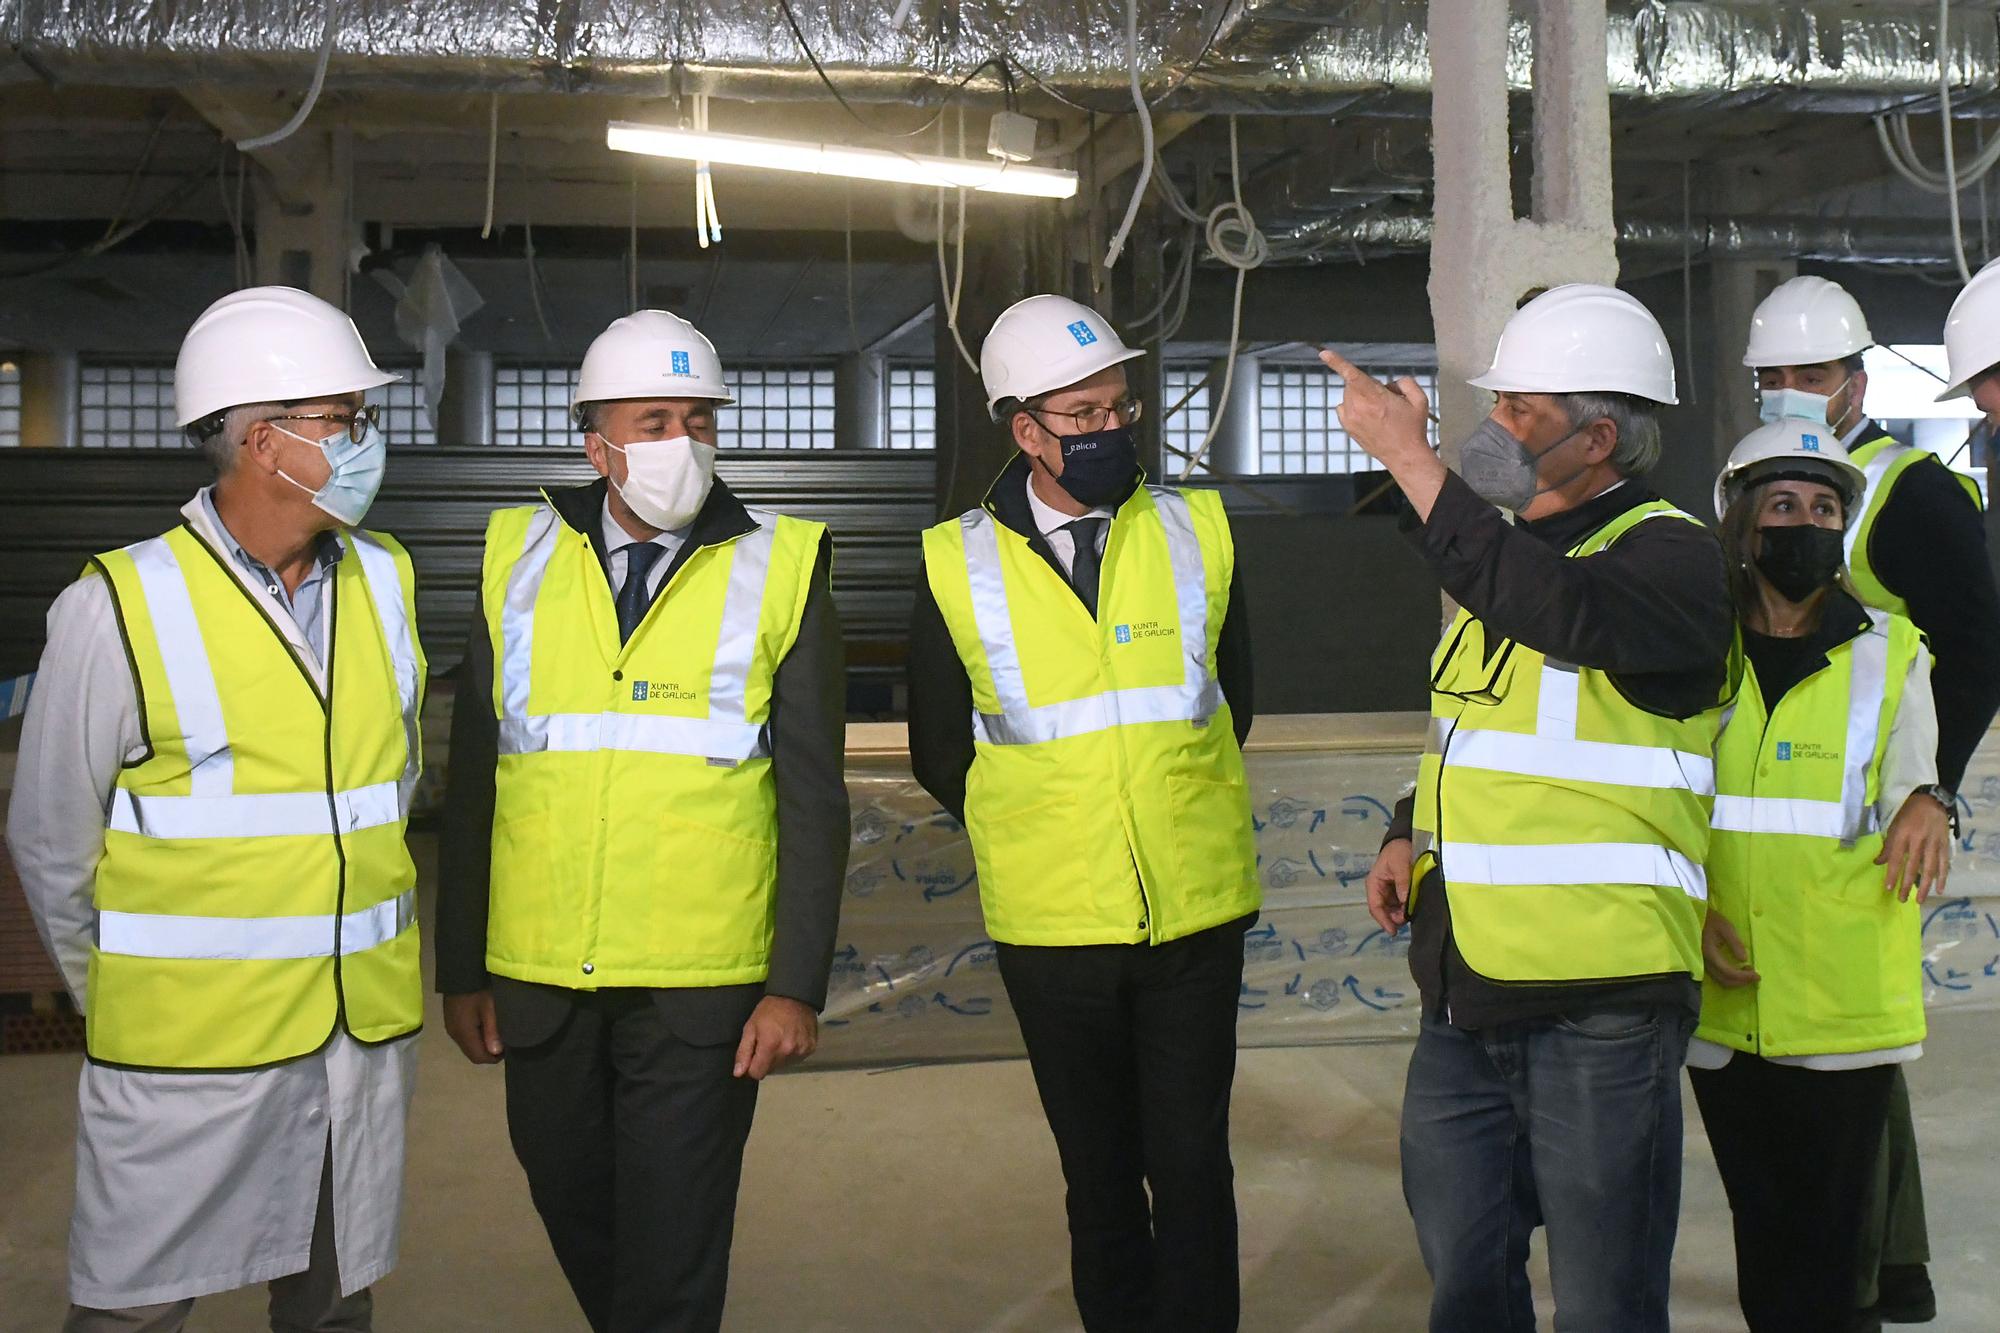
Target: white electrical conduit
(1145, 135)
(1234, 239)
(951, 284)
(1950, 160)
(1893, 134)
(492, 163)
(286, 130)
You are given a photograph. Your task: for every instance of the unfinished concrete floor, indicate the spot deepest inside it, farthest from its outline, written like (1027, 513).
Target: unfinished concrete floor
(929, 1199)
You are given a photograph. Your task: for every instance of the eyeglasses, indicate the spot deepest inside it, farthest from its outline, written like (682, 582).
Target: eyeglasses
(358, 424)
(1093, 419)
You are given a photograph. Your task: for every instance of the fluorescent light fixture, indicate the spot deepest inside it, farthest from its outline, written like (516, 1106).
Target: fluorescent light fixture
(830, 159)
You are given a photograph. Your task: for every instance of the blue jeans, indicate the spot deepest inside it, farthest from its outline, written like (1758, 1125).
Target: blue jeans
(1571, 1122)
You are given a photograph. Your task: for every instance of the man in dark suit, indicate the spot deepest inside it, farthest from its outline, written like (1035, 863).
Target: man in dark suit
(645, 830)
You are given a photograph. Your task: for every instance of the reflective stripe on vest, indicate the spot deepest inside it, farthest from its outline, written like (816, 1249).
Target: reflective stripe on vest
(1575, 863)
(1875, 469)
(155, 935)
(726, 733)
(213, 809)
(1196, 699)
(1852, 816)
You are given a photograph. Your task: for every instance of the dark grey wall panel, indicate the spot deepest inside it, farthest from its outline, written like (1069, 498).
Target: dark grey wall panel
(58, 507)
(1343, 614)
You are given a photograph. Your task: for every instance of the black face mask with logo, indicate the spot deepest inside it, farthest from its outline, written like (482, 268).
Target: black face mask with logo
(1100, 467)
(1799, 559)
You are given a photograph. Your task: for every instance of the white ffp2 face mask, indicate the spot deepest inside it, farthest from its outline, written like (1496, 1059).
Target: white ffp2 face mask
(666, 481)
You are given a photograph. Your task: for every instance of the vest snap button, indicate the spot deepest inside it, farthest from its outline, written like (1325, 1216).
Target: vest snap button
(588, 968)
(617, 675)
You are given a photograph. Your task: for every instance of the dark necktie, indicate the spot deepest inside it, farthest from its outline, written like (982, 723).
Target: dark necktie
(1087, 564)
(632, 597)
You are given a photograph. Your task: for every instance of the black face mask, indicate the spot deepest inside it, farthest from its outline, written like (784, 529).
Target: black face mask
(1799, 559)
(1100, 468)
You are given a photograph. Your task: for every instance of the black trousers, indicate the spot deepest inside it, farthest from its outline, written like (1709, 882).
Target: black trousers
(1134, 1050)
(1797, 1150)
(632, 1140)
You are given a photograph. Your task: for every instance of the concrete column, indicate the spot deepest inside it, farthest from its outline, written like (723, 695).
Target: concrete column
(303, 228)
(1236, 448)
(1012, 254)
(465, 416)
(50, 413)
(1735, 288)
(860, 395)
(1483, 258)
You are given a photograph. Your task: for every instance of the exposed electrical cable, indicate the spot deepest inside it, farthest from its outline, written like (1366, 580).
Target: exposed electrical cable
(805, 48)
(1234, 239)
(1145, 114)
(1208, 44)
(492, 162)
(1950, 159)
(290, 127)
(952, 284)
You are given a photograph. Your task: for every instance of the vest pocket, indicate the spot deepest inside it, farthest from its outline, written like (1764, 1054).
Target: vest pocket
(1849, 929)
(708, 905)
(1214, 847)
(1051, 866)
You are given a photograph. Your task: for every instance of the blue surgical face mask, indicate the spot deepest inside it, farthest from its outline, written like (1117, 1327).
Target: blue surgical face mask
(356, 476)
(1780, 404)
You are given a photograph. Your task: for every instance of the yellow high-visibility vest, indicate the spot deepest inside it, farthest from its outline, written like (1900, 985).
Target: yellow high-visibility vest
(1792, 861)
(255, 895)
(1107, 802)
(635, 820)
(1883, 461)
(1570, 825)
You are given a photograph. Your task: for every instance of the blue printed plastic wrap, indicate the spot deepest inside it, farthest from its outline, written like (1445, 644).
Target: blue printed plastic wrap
(915, 979)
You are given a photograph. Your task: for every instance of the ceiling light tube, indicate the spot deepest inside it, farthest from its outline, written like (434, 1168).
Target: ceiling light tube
(829, 159)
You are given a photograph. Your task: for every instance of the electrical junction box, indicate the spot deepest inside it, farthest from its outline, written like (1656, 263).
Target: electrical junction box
(1011, 136)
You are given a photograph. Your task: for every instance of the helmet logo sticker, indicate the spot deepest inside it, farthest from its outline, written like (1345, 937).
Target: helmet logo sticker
(681, 364)
(1081, 332)
(1810, 443)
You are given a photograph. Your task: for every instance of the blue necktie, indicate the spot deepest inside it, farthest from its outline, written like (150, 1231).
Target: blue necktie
(632, 596)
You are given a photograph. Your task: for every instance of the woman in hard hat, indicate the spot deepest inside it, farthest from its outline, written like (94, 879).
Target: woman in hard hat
(1829, 830)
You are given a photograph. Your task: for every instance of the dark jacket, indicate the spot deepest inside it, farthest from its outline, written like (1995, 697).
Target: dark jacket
(941, 692)
(808, 735)
(1652, 612)
(1928, 546)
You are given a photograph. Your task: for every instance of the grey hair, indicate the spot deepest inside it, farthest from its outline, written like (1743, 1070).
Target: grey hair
(1637, 421)
(586, 417)
(221, 436)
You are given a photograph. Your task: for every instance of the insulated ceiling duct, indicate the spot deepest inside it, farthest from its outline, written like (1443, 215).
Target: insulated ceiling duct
(1280, 56)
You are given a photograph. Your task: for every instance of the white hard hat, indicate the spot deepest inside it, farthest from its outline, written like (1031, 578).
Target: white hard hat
(650, 354)
(1045, 343)
(269, 345)
(1790, 446)
(1582, 338)
(1804, 322)
(1972, 332)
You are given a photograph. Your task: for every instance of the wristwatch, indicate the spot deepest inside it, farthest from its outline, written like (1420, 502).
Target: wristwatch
(1945, 797)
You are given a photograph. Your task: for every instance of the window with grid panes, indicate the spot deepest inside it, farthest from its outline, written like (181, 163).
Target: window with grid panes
(531, 405)
(912, 422)
(779, 407)
(400, 409)
(127, 405)
(1181, 433)
(1297, 431)
(10, 404)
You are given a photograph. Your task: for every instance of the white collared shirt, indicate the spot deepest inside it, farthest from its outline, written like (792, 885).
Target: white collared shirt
(1052, 523)
(617, 542)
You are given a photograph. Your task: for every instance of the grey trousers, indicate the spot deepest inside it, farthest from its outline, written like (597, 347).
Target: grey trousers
(306, 1302)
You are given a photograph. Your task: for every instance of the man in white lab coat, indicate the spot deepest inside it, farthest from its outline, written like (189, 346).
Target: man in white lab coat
(208, 820)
